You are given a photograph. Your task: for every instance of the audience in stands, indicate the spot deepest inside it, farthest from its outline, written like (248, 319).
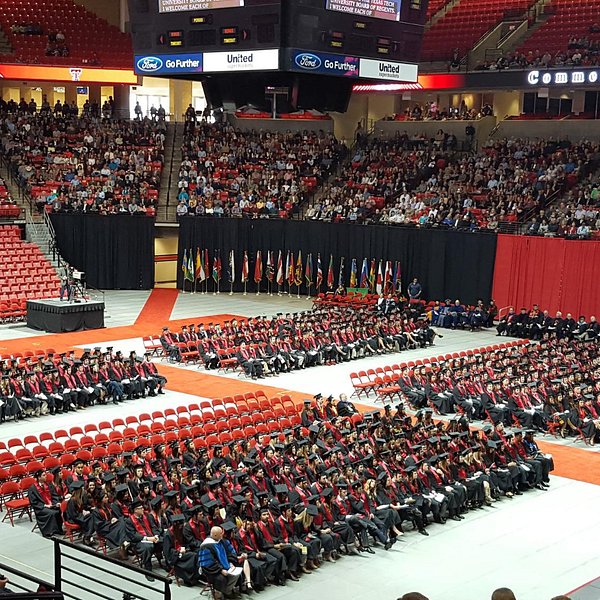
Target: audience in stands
(404, 182)
(233, 173)
(580, 53)
(79, 164)
(431, 111)
(59, 383)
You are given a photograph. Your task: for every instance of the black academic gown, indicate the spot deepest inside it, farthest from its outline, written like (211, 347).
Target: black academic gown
(49, 520)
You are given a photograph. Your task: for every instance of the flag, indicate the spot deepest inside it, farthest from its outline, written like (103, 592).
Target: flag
(190, 266)
(397, 277)
(319, 271)
(270, 266)
(198, 270)
(330, 275)
(203, 267)
(298, 273)
(290, 269)
(245, 267)
(231, 267)
(387, 277)
(308, 273)
(216, 272)
(341, 274)
(258, 266)
(379, 282)
(184, 265)
(280, 278)
(353, 280)
(372, 276)
(364, 275)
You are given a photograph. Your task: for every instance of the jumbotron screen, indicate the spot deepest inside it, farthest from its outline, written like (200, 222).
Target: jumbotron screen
(376, 9)
(165, 6)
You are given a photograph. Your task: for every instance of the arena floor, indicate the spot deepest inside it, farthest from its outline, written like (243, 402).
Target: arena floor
(541, 544)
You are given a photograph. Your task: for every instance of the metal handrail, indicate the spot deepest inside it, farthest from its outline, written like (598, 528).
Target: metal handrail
(59, 568)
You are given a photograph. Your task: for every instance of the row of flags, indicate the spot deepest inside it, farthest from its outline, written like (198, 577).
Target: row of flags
(377, 276)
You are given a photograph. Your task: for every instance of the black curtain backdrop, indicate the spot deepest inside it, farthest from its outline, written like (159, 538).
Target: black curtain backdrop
(116, 252)
(449, 264)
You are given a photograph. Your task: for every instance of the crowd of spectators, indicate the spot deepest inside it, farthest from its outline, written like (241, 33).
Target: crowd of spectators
(57, 45)
(81, 163)
(432, 111)
(405, 182)
(581, 52)
(234, 173)
(577, 216)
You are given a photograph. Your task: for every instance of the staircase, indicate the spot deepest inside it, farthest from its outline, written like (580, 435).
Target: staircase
(167, 197)
(15, 191)
(515, 42)
(40, 232)
(440, 13)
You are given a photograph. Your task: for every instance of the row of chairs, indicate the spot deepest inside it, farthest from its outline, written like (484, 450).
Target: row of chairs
(210, 417)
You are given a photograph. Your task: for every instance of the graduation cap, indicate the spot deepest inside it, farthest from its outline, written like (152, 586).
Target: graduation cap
(228, 526)
(215, 482)
(314, 428)
(410, 469)
(588, 396)
(312, 510)
(76, 485)
(326, 492)
(210, 504)
(433, 440)
(492, 444)
(417, 447)
(443, 455)
(135, 504)
(239, 499)
(312, 498)
(382, 476)
(307, 402)
(321, 445)
(171, 494)
(122, 472)
(342, 485)
(177, 519)
(155, 502)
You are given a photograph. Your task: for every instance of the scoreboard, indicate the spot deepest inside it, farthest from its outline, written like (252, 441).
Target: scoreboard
(315, 49)
(360, 39)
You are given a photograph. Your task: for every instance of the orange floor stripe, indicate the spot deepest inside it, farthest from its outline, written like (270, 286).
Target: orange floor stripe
(159, 306)
(574, 463)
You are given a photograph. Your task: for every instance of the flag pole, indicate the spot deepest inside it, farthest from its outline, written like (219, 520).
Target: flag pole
(245, 290)
(231, 289)
(309, 286)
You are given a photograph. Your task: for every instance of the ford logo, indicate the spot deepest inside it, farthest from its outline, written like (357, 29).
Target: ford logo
(149, 64)
(308, 61)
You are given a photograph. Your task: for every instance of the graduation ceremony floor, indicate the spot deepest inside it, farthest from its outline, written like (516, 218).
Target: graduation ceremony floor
(540, 544)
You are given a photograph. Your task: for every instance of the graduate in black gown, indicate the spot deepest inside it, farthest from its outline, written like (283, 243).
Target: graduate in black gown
(46, 506)
(177, 556)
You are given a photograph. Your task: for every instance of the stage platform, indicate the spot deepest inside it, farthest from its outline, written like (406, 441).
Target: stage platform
(56, 316)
